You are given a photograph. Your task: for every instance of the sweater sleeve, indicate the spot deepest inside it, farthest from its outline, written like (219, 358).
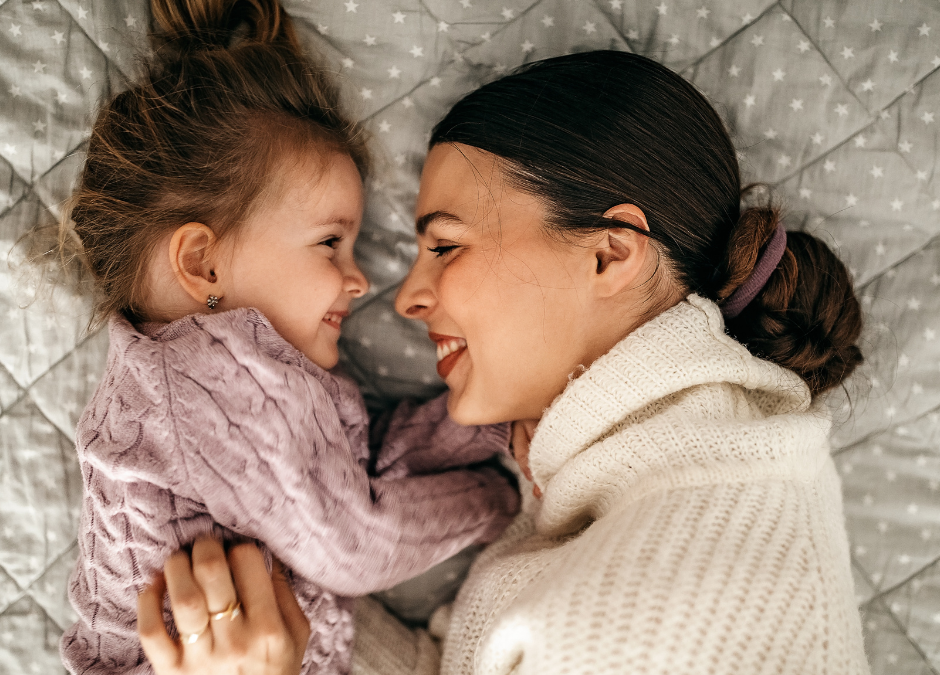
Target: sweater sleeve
(423, 439)
(265, 450)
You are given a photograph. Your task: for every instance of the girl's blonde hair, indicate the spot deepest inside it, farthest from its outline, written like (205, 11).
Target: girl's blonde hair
(227, 99)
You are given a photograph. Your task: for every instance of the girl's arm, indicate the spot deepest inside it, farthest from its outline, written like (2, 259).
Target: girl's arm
(278, 467)
(423, 439)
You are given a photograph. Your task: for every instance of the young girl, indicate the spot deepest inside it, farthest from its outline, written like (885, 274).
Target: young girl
(217, 212)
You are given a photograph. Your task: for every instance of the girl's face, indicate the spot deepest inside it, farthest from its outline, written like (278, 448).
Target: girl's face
(511, 307)
(293, 260)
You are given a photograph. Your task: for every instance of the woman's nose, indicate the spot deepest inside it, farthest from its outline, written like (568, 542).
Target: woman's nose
(355, 282)
(415, 298)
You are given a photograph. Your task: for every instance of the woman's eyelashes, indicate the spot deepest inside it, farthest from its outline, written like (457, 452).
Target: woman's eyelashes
(442, 250)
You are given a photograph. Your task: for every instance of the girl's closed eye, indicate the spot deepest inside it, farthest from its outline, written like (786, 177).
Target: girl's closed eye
(441, 250)
(332, 241)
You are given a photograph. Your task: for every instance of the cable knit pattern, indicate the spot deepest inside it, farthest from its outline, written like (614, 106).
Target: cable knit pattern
(217, 424)
(691, 523)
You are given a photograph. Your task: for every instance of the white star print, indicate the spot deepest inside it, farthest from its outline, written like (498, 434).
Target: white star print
(927, 117)
(817, 138)
(589, 27)
(394, 73)
(905, 146)
(15, 91)
(39, 126)
(880, 248)
(936, 62)
(770, 134)
(366, 94)
(784, 161)
(893, 56)
(62, 97)
(508, 14)
(416, 51)
(868, 85)
(407, 102)
(351, 6)
(40, 6)
(9, 149)
(930, 334)
(435, 82)
(384, 126)
(486, 36)
(398, 17)
(796, 104)
(673, 39)
(369, 40)
(527, 47)
(924, 30)
(757, 40)
(548, 21)
(829, 23)
(897, 204)
(616, 4)
(749, 100)
(851, 200)
(825, 80)
(39, 67)
(935, 204)
(322, 29)
(875, 25)
(779, 75)
(829, 166)
(348, 63)
(746, 19)
(86, 73)
(935, 279)
(703, 12)
(860, 141)
(130, 21)
(803, 46)
(633, 34)
(841, 110)
(877, 172)
(58, 37)
(921, 175)
(662, 9)
(848, 53)
(805, 193)
(82, 13)
(442, 26)
(714, 42)
(465, 4)
(734, 71)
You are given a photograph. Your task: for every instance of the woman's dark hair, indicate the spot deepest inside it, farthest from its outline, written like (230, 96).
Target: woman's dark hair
(227, 100)
(588, 131)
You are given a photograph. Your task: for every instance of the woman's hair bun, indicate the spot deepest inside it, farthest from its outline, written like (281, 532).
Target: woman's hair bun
(806, 318)
(183, 26)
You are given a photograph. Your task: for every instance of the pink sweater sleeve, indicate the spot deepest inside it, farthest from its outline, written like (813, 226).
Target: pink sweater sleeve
(267, 448)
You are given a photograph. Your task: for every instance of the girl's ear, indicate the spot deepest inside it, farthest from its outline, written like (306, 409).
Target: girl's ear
(190, 258)
(621, 254)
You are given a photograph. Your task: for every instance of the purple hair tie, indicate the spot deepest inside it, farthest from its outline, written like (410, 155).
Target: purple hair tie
(753, 285)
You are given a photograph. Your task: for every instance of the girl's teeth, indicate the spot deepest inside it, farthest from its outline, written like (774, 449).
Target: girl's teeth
(445, 349)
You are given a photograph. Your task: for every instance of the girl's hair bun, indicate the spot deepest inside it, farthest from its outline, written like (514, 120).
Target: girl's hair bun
(185, 26)
(806, 318)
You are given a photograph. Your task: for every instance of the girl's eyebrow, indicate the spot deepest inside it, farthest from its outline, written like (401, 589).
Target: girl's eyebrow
(423, 222)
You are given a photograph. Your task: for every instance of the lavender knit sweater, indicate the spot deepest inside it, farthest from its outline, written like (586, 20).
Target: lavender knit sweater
(214, 423)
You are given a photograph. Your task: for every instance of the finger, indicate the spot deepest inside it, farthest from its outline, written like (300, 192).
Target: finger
(211, 571)
(298, 625)
(188, 604)
(253, 584)
(160, 649)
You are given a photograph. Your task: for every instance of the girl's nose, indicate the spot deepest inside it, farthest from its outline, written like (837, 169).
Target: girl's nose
(416, 297)
(355, 282)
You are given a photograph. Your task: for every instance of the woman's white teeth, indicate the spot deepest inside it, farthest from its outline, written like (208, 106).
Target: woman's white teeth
(445, 349)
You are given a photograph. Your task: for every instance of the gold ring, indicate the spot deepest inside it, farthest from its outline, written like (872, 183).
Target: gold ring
(233, 610)
(190, 638)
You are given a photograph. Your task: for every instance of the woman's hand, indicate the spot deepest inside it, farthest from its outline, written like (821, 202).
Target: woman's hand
(522, 431)
(233, 617)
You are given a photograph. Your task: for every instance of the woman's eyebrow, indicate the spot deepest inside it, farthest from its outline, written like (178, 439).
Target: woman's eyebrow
(423, 222)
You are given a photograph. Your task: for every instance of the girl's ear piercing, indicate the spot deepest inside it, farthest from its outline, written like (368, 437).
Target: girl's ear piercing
(212, 301)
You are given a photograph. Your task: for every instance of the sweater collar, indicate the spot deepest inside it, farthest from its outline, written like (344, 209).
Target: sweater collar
(681, 349)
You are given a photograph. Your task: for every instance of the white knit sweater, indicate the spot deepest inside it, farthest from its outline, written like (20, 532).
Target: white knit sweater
(691, 523)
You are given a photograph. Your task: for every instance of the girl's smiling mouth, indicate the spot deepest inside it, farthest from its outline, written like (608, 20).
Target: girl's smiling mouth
(334, 319)
(449, 351)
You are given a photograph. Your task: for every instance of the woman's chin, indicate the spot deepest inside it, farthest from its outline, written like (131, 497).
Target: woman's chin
(466, 409)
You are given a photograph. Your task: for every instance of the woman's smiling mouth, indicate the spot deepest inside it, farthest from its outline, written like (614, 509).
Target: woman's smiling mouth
(449, 351)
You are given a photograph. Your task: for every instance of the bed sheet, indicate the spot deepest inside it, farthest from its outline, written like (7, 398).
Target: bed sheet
(836, 103)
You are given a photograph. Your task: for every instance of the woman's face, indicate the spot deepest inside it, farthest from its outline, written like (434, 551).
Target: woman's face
(513, 309)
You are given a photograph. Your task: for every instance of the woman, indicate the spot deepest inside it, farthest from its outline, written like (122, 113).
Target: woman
(587, 268)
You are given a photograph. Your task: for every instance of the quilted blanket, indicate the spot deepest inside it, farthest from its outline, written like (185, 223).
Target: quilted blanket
(835, 103)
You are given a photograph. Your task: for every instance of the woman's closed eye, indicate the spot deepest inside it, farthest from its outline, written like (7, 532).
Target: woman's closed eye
(442, 250)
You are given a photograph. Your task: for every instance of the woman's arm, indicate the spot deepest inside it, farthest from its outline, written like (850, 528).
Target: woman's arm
(267, 637)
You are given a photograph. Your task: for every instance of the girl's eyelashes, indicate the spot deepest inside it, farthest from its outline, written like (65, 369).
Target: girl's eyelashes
(442, 250)
(332, 242)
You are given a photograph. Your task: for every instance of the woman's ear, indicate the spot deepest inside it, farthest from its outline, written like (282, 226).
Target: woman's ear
(191, 249)
(621, 253)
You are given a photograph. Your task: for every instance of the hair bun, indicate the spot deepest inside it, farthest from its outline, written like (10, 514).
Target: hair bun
(806, 318)
(185, 26)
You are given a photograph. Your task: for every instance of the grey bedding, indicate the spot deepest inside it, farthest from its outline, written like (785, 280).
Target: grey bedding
(836, 103)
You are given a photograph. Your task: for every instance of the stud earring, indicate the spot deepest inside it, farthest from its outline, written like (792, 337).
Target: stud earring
(212, 301)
